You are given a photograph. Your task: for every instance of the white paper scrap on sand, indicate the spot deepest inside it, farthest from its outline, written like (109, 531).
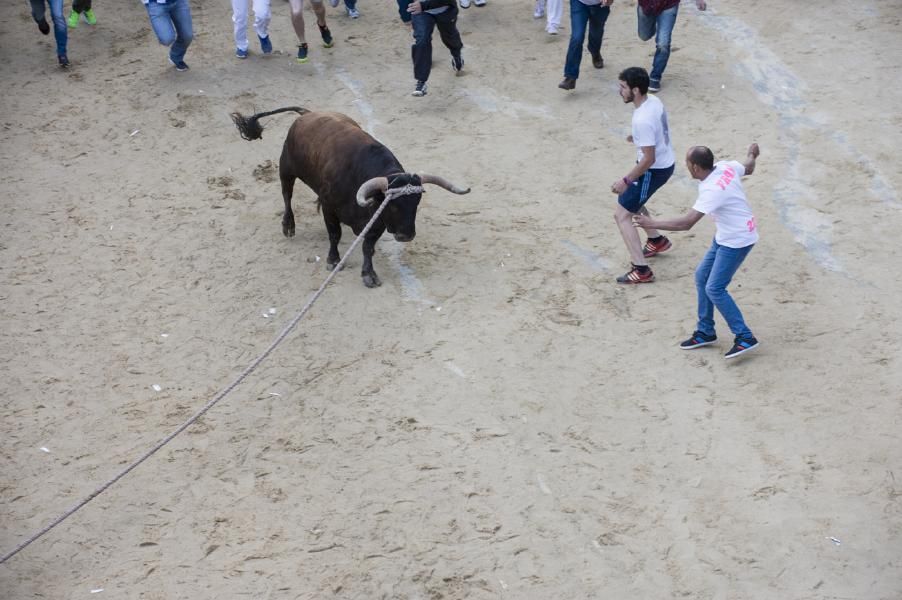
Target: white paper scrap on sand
(272, 311)
(156, 388)
(134, 133)
(834, 540)
(275, 394)
(97, 591)
(542, 485)
(44, 449)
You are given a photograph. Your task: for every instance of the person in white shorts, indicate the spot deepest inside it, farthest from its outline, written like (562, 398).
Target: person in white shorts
(720, 196)
(262, 16)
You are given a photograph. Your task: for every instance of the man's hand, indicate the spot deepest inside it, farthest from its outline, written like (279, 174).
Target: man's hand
(643, 221)
(629, 138)
(700, 4)
(754, 151)
(415, 8)
(619, 187)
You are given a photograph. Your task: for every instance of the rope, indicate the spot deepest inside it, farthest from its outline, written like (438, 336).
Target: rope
(210, 403)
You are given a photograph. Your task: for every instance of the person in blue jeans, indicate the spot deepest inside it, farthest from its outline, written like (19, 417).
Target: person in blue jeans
(720, 195)
(593, 13)
(656, 19)
(171, 22)
(39, 12)
(426, 16)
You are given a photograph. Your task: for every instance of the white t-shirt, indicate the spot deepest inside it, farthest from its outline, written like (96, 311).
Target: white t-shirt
(720, 196)
(650, 129)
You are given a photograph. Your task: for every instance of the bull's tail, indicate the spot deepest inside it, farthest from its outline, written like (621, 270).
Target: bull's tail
(250, 127)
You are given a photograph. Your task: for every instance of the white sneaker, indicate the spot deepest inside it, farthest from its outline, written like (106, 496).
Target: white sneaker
(353, 13)
(540, 9)
(464, 3)
(551, 29)
(479, 2)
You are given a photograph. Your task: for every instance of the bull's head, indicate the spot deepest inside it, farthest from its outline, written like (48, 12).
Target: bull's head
(404, 191)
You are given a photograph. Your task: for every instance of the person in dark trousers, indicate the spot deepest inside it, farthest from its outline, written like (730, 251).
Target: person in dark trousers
(39, 14)
(593, 13)
(426, 16)
(720, 196)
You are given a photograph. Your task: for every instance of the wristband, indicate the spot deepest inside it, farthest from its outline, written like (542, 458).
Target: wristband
(626, 180)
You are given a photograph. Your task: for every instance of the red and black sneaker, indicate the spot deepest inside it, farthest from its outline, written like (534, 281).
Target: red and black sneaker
(637, 275)
(652, 248)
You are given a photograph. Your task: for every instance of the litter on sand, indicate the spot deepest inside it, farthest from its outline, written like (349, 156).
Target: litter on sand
(834, 540)
(134, 133)
(156, 388)
(43, 449)
(275, 394)
(164, 335)
(97, 591)
(265, 315)
(272, 311)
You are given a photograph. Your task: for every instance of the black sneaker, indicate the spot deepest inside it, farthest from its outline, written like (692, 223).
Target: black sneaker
(180, 66)
(420, 89)
(457, 63)
(64, 61)
(698, 340)
(302, 53)
(741, 346)
(327, 35)
(44, 26)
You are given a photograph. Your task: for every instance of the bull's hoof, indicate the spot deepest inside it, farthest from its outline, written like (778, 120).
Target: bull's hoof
(332, 264)
(371, 280)
(288, 230)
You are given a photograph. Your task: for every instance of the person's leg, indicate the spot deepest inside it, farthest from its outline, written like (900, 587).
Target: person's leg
(705, 306)
(726, 264)
(598, 15)
(161, 23)
(297, 20)
(402, 11)
(180, 13)
(554, 10)
(647, 25)
(239, 19)
(351, 5)
(579, 17)
(665, 21)
(39, 14)
(624, 220)
(59, 26)
(320, 11)
(421, 51)
(262, 18)
(650, 182)
(446, 23)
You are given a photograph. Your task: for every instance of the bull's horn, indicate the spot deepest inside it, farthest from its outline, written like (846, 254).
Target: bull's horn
(435, 180)
(369, 188)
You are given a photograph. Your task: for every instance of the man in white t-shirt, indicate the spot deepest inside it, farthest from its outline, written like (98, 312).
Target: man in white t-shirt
(720, 195)
(653, 167)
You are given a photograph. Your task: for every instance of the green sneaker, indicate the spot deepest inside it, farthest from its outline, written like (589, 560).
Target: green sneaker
(90, 19)
(73, 20)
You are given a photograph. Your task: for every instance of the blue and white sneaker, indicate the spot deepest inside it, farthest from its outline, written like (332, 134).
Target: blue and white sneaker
(239, 53)
(353, 13)
(741, 346)
(180, 66)
(698, 340)
(265, 45)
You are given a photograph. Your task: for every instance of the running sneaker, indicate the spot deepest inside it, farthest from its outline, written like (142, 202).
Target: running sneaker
(457, 63)
(333, 3)
(180, 66)
(479, 2)
(464, 3)
(64, 61)
(420, 89)
(353, 13)
(73, 20)
(239, 53)
(698, 340)
(637, 276)
(302, 53)
(741, 346)
(539, 12)
(654, 86)
(43, 26)
(90, 18)
(327, 35)
(265, 44)
(652, 248)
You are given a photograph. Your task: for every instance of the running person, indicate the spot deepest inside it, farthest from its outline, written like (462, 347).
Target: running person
(720, 195)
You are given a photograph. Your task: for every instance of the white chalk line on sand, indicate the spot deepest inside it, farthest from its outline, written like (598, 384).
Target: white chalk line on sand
(593, 260)
(778, 87)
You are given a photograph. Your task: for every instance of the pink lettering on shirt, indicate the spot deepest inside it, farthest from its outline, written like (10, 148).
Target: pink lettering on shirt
(751, 224)
(726, 178)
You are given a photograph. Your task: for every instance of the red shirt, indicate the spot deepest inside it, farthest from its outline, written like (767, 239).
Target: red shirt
(655, 7)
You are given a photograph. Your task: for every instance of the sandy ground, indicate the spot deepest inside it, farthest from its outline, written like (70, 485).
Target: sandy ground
(499, 419)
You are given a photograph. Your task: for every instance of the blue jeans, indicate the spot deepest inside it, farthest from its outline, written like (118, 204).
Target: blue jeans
(580, 15)
(660, 26)
(712, 276)
(171, 23)
(38, 12)
(350, 4)
(402, 10)
(423, 26)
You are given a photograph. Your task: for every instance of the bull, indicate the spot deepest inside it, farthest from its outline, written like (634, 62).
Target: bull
(351, 174)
